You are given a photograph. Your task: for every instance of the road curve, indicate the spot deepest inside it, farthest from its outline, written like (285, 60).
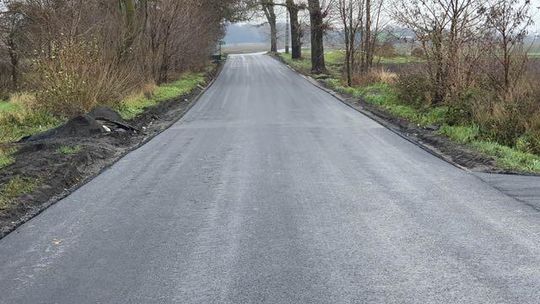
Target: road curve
(271, 191)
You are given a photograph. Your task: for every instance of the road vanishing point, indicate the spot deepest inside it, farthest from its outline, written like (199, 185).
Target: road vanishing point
(270, 190)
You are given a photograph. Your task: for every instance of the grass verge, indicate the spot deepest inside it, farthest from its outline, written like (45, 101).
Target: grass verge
(136, 104)
(20, 123)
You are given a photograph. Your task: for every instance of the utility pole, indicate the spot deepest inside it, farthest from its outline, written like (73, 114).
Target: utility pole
(287, 31)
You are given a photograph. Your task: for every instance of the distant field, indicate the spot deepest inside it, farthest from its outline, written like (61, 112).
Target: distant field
(244, 48)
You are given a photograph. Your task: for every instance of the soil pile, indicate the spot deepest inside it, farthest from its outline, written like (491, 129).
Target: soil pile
(98, 121)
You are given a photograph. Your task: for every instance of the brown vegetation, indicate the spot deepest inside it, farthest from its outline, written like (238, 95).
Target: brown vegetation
(77, 54)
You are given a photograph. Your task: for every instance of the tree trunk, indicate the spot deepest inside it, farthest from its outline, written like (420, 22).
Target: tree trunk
(268, 9)
(296, 35)
(273, 38)
(317, 35)
(14, 60)
(368, 51)
(131, 31)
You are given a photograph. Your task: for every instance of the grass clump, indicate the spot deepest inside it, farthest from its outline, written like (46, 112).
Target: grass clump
(6, 157)
(461, 134)
(16, 187)
(7, 107)
(152, 95)
(506, 157)
(21, 123)
(509, 158)
(69, 150)
(21, 117)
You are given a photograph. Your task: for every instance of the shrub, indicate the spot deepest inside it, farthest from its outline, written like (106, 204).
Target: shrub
(507, 118)
(77, 77)
(386, 49)
(414, 89)
(529, 142)
(418, 52)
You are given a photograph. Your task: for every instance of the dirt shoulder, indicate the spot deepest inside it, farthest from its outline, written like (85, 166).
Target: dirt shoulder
(457, 154)
(48, 169)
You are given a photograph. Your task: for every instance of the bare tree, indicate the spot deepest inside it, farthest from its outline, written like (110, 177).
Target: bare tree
(447, 30)
(507, 22)
(370, 32)
(99, 51)
(12, 36)
(351, 13)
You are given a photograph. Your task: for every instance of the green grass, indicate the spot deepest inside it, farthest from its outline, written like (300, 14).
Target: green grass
(506, 157)
(134, 106)
(509, 158)
(6, 157)
(303, 65)
(334, 62)
(69, 150)
(16, 187)
(17, 124)
(460, 134)
(8, 106)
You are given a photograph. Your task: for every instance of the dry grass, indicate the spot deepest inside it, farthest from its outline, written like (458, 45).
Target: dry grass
(511, 119)
(23, 99)
(375, 76)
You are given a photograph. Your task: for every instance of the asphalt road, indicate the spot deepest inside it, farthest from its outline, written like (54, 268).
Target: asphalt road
(271, 191)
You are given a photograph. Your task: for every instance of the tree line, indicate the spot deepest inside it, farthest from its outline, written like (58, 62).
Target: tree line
(103, 49)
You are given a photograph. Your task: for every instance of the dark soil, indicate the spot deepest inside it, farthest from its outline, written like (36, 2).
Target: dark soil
(102, 137)
(426, 138)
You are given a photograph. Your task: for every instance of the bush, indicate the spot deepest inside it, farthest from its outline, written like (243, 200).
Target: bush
(386, 49)
(414, 89)
(418, 52)
(529, 142)
(77, 77)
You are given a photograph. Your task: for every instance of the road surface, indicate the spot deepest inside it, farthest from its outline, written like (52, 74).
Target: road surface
(271, 191)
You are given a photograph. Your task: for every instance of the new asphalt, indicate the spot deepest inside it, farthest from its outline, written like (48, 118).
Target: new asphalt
(269, 190)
